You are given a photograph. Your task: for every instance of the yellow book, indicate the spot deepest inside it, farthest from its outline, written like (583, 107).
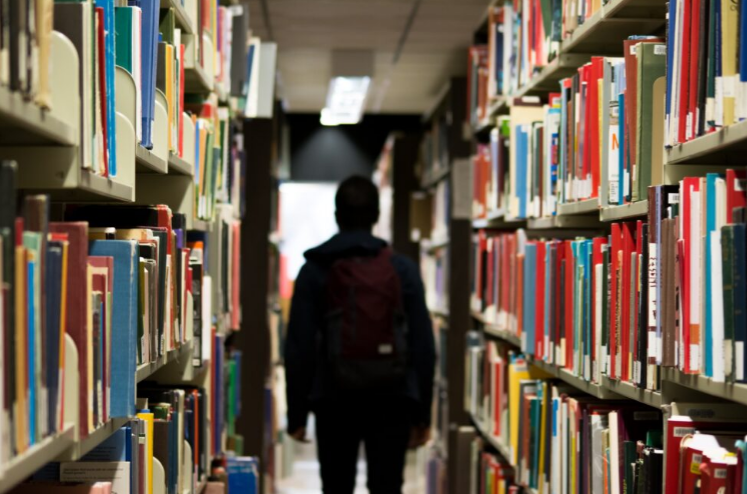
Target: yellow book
(518, 370)
(170, 93)
(148, 419)
(89, 344)
(20, 412)
(729, 36)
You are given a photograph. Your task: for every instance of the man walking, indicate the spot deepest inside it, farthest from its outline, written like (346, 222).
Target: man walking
(360, 351)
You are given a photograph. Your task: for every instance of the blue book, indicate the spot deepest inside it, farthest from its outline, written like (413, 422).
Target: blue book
(109, 63)
(31, 323)
(710, 227)
(124, 321)
(740, 295)
(249, 62)
(742, 43)
(243, 475)
(115, 448)
(530, 276)
(670, 59)
(53, 286)
(148, 63)
(522, 145)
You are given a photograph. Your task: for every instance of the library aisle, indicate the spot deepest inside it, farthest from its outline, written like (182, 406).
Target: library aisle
(197, 200)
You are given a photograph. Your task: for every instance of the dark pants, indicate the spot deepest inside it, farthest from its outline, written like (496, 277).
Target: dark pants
(382, 424)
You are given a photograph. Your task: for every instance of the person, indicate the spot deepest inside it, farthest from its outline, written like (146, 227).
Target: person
(360, 350)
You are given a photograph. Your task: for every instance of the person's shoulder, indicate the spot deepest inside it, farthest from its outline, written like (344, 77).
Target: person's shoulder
(405, 266)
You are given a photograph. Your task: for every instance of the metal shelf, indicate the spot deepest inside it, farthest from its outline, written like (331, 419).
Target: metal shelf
(431, 246)
(628, 390)
(182, 18)
(579, 207)
(564, 65)
(23, 123)
(38, 455)
(438, 174)
(577, 382)
(615, 21)
(148, 162)
(726, 146)
(179, 166)
(631, 210)
(196, 81)
(200, 225)
(144, 371)
(497, 219)
(502, 449)
(564, 222)
(728, 391)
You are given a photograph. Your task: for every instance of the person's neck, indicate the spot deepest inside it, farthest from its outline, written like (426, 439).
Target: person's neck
(357, 230)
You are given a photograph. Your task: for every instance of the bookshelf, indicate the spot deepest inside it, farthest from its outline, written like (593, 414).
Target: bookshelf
(140, 178)
(517, 310)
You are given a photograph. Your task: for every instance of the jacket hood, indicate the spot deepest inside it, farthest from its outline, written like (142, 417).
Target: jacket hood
(343, 244)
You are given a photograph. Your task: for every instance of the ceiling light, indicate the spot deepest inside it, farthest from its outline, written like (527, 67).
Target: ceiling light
(345, 100)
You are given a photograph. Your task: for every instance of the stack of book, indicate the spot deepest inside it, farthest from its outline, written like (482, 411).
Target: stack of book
(491, 473)
(707, 60)
(556, 438)
(667, 291)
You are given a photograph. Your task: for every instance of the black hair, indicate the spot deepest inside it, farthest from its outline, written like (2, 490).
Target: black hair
(357, 204)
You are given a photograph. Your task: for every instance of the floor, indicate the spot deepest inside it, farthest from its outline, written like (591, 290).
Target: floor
(305, 476)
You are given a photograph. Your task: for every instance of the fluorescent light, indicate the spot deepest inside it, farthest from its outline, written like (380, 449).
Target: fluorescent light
(345, 100)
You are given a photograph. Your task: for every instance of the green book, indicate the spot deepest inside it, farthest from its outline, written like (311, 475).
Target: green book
(629, 455)
(167, 25)
(727, 273)
(123, 28)
(652, 58)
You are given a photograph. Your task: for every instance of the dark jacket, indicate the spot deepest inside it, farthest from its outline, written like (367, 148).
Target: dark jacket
(306, 384)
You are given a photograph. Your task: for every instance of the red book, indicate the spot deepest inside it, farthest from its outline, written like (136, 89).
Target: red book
(713, 472)
(479, 274)
(539, 303)
(691, 237)
(76, 316)
(615, 250)
(692, 94)
(686, 6)
(597, 259)
(490, 274)
(570, 275)
(641, 271)
(102, 83)
(597, 73)
(628, 248)
(557, 336)
(520, 294)
(735, 193)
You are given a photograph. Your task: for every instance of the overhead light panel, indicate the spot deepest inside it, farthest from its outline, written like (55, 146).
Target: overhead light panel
(348, 88)
(346, 100)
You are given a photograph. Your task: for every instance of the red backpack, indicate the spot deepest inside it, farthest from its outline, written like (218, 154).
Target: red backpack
(365, 327)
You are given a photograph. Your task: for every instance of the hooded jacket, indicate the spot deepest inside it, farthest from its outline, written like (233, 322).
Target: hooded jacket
(306, 381)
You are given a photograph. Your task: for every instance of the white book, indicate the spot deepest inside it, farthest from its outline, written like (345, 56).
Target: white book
(614, 453)
(720, 354)
(694, 243)
(598, 424)
(598, 323)
(564, 463)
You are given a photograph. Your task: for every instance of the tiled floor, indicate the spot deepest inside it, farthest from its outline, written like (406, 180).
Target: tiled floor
(305, 478)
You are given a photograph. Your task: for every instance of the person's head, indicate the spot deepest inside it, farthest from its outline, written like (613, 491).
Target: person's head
(357, 204)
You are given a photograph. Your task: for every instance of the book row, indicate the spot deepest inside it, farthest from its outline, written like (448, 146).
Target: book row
(522, 38)
(178, 437)
(596, 139)
(665, 291)
(553, 439)
(707, 56)
(557, 439)
(127, 284)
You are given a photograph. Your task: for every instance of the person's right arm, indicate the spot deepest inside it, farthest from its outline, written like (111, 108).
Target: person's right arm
(300, 349)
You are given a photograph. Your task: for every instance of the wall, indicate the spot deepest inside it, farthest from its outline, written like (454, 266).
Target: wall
(331, 154)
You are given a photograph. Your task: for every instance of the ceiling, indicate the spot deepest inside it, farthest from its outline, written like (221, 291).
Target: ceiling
(307, 31)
